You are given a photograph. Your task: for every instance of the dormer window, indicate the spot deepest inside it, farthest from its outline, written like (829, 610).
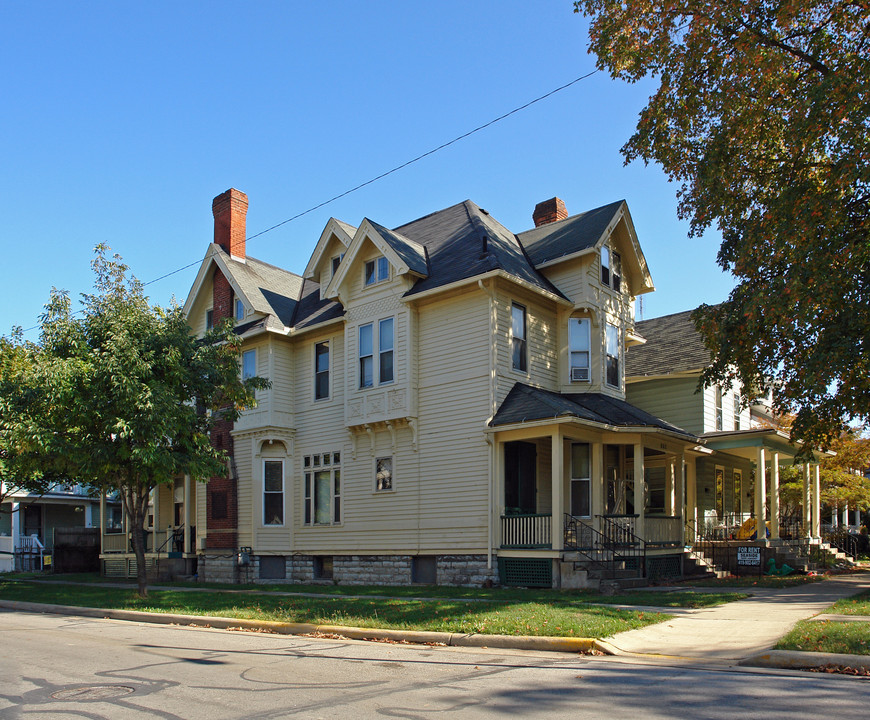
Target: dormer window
(336, 261)
(209, 319)
(612, 347)
(518, 338)
(240, 310)
(377, 270)
(611, 268)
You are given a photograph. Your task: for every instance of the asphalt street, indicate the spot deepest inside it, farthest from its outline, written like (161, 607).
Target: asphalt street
(56, 666)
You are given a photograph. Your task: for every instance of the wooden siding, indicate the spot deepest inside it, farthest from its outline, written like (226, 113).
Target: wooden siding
(673, 400)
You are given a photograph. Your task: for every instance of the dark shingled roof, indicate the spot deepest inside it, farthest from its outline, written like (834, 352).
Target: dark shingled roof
(311, 310)
(454, 242)
(568, 236)
(525, 403)
(672, 345)
(412, 253)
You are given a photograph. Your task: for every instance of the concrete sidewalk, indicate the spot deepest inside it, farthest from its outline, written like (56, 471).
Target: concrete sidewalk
(738, 630)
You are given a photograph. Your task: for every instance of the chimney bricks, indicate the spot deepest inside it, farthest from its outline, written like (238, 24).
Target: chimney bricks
(229, 210)
(549, 211)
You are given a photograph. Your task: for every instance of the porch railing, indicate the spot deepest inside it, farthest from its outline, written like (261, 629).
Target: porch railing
(615, 550)
(526, 531)
(663, 531)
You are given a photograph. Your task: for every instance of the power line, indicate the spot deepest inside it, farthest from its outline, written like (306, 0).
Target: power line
(382, 175)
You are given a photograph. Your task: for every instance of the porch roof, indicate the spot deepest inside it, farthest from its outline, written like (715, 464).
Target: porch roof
(745, 443)
(525, 403)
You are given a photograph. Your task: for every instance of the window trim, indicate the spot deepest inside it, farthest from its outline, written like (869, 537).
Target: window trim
(318, 373)
(246, 354)
(370, 356)
(737, 411)
(375, 327)
(608, 356)
(523, 341)
(587, 481)
(604, 262)
(392, 479)
(274, 492)
(239, 309)
(209, 319)
(380, 271)
(391, 351)
(583, 322)
(718, 409)
(324, 462)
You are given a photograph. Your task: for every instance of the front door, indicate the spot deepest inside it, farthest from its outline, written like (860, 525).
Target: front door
(33, 521)
(520, 478)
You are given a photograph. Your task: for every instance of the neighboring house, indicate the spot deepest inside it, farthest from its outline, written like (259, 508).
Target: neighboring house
(28, 520)
(447, 405)
(738, 433)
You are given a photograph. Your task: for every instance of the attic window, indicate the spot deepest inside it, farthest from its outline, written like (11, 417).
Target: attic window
(377, 270)
(240, 310)
(611, 268)
(209, 319)
(336, 261)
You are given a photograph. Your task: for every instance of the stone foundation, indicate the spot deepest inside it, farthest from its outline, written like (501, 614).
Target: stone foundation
(458, 570)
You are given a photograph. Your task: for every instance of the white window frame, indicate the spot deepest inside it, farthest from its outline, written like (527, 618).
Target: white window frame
(604, 260)
(280, 492)
(520, 341)
(737, 409)
(239, 310)
(615, 271)
(249, 371)
(584, 327)
(718, 409)
(318, 373)
(312, 465)
(380, 271)
(383, 352)
(607, 355)
(380, 485)
(583, 481)
(209, 319)
(336, 261)
(369, 356)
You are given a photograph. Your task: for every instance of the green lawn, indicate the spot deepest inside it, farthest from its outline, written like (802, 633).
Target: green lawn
(857, 605)
(763, 581)
(568, 618)
(851, 638)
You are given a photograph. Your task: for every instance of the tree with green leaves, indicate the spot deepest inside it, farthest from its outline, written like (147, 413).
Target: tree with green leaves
(121, 395)
(762, 115)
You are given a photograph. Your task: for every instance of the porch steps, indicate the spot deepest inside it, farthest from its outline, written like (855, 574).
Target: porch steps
(696, 565)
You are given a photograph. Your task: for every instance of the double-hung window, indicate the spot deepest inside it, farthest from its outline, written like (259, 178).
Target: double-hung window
(273, 492)
(611, 342)
(578, 338)
(605, 265)
(366, 359)
(611, 268)
(249, 364)
(519, 360)
(385, 351)
(321, 370)
(377, 270)
(736, 411)
(581, 480)
(385, 343)
(717, 397)
(322, 488)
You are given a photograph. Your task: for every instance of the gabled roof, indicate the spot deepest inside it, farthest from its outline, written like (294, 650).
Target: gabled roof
(334, 228)
(525, 403)
(570, 236)
(412, 253)
(454, 242)
(673, 345)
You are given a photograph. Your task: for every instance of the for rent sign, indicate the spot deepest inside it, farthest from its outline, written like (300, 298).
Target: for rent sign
(749, 555)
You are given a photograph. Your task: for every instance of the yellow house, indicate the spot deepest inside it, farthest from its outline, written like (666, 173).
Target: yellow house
(447, 405)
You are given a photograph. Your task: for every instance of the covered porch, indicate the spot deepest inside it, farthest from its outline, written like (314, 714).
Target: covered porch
(169, 534)
(594, 484)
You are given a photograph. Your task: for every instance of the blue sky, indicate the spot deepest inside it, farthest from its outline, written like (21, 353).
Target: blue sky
(120, 122)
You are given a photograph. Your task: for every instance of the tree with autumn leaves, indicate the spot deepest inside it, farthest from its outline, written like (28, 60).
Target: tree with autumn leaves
(119, 396)
(762, 115)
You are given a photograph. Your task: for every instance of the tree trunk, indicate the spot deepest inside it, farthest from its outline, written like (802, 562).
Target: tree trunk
(136, 504)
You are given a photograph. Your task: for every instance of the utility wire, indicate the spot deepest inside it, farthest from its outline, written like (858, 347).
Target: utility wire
(383, 174)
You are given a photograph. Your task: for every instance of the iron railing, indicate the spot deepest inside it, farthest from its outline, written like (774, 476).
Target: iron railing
(613, 550)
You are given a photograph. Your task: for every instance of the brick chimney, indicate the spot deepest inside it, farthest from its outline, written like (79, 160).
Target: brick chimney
(548, 211)
(229, 210)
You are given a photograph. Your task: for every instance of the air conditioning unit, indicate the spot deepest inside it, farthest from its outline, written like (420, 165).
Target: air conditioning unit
(579, 374)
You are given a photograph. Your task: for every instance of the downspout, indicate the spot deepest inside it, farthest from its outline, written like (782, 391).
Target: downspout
(493, 327)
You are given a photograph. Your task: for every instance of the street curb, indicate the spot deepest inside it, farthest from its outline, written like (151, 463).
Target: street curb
(795, 660)
(506, 642)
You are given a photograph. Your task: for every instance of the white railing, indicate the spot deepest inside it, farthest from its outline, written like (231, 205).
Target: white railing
(28, 553)
(663, 530)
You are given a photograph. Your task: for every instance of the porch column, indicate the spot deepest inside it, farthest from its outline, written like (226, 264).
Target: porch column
(597, 481)
(557, 470)
(155, 500)
(89, 514)
(102, 520)
(806, 500)
(774, 497)
(639, 490)
(187, 513)
(669, 488)
(16, 525)
(760, 495)
(817, 504)
(679, 486)
(692, 498)
(846, 515)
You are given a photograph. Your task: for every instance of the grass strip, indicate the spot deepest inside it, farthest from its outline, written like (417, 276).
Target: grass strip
(566, 619)
(857, 605)
(851, 638)
(760, 581)
(666, 599)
